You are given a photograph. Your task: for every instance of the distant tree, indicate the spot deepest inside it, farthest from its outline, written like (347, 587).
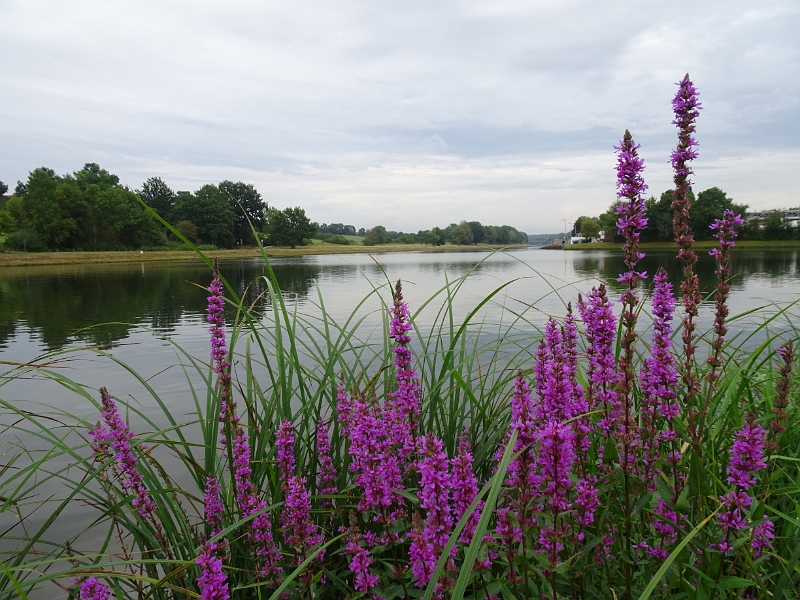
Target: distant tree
(188, 230)
(3, 188)
(7, 222)
(709, 206)
(437, 237)
(461, 234)
(590, 227)
(158, 196)
(361, 231)
(379, 234)
(92, 174)
(288, 227)
(21, 189)
(247, 205)
(43, 215)
(659, 217)
(490, 234)
(477, 232)
(776, 227)
(210, 211)
(578, 226)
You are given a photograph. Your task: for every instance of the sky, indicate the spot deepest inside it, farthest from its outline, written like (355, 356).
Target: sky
(407, 114)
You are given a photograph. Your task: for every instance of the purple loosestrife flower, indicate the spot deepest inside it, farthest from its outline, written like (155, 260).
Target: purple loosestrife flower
(120, 437)
(781, 402)
(630, 187)
(521, 476)
(285, 444)
(556, 387)
(658, 381)
(465, 488)
(219, 352)
(686, 109)
(300, 532)
(93, 589)
(403, 409)
(360, 558)
(726, 234)
(603, 374)
(214, 510)
(746, 457)
(375, 461)
(556, 456)
(434, 498)
(213, 582)
(260, 534)
(328, 478)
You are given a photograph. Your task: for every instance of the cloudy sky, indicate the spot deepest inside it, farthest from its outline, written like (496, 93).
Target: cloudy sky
(408, 114)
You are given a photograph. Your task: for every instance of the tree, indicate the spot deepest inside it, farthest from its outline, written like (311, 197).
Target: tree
(461, 234)
(709, 206)
(659, 217)
(3, 188)
(590, 227)
(21, 189)
(288, 227)
(477, 232)
(7, 222)
(210, 211)
(776, 227)
(188, 230)
(437, 237)
(247, 204)
(92, 174)
(158, 196)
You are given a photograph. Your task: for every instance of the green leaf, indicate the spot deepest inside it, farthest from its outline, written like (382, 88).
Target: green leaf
(729, 582)
(671, 558)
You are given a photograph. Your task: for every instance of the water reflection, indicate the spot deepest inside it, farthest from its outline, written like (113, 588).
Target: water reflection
(61, 304)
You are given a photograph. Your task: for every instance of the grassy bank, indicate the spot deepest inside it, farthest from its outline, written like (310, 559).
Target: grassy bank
(15, 259)
(703, 245)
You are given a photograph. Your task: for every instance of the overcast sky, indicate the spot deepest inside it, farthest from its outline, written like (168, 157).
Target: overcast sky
(407, 114)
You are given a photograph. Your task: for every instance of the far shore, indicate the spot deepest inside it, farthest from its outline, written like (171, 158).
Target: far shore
(21, 259)
(702, 245)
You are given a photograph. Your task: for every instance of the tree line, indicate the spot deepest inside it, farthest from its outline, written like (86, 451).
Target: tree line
(707, 206)
(90, 210)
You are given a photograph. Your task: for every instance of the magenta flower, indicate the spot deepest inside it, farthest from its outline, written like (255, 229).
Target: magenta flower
(213, 582)
(93, 589)
(219, 352)
(602, 373)
(328, 477)
(299, 531)
(214, 510)
(120, 437)
(465, 488)
(284, 440)
(403, 409)
(630, 187)
(686, 108)
(360, 560)
(556, 456)
(746, 457)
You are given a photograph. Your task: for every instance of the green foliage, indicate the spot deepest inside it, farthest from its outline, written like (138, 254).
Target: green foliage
(188, 230)
(709, 206)
(461, 234)
(3, 188)
(288, 227)
(158, 196)
(211, 212)
(248, 206)
(7, 222)
(590, 227)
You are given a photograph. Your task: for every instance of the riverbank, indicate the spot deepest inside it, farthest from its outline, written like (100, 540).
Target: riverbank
(20, 259)
(703, 245)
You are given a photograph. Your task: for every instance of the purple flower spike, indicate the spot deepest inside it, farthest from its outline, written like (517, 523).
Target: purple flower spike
(465, 488)
(746, 457)
(93, 589)
(213, 582)
(219, 350)
(781, 402)
(214, 510)
(300, 533)
(120, 437)
(328, 477)
(630, 187)
(285, 443)
(434, 498)
(686, 108)
(726, 234)
(403, 411)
